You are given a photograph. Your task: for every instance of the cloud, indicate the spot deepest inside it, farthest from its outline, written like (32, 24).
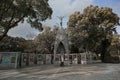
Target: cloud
(65, 8)
(117, 10)
(22, 30)
(60, 8)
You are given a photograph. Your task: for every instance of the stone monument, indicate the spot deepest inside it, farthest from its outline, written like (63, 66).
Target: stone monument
(61, 45)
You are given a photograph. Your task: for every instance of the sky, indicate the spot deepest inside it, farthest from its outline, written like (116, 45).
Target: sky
(64, 8)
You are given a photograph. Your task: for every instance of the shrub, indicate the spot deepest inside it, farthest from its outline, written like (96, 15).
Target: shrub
(111, 59)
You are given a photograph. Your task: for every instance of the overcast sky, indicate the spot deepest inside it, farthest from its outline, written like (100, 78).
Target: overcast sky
(64, 8)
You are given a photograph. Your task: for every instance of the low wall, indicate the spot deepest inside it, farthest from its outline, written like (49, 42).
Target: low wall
(18, 60)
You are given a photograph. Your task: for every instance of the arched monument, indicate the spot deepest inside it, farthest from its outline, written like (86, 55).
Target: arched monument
(61, 45)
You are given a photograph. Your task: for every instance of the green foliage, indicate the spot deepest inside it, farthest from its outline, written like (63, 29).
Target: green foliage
(93, 29)
(13, 44)
(13, 12)
(111, 59)
(45, 40)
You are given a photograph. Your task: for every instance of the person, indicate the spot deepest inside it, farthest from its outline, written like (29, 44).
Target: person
(62, 61)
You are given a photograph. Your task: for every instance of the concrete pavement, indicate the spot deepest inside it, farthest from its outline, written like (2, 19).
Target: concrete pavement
(99, 71)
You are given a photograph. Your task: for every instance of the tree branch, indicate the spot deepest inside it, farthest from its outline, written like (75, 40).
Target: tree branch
(5, 11)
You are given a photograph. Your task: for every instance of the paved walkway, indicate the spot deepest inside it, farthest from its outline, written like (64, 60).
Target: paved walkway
(99, 71)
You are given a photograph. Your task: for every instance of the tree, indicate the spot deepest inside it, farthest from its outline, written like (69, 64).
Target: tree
(13, 12)
(115, 39)
(93, 28)
(13, 44)
(45, 40)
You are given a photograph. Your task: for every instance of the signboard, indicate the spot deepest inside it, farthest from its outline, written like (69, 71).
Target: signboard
(83, 58)
(40, 57)
(7, 58)
(31, 57)
(24, 57)
(48, 58)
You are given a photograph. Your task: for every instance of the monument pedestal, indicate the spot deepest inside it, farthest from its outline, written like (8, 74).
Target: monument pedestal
(61, 46)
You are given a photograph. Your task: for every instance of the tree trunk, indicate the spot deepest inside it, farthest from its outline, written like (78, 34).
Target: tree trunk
(105, 45)
(102, 56)
(52, 59)
(27, 60)
(11, 26)
(20, 60)
(4, 34)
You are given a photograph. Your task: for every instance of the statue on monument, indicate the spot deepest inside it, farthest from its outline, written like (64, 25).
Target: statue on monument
(61, 44)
